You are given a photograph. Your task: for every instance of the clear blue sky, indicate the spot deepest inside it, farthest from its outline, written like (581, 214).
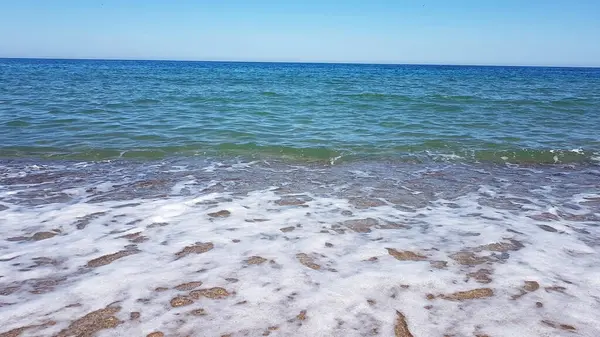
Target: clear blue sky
(524, 32)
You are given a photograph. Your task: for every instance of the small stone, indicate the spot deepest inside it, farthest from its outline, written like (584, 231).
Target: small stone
(198, 248)
(235, 241)
(256, 260)
(469, 295)
(161, 289)
(560, 326)
(328, 245)
(468, 258)
(181, 301)
(287, 229)
(405, 255)
(401, 326)
(438, 264)
(502, 247)
(155, 334)
(371, 302)
(212, 293)
(430, 296)
(290, 202)
(428, 307)
(539, 304)
(134, 315)
(198, 312)
(134, 237)
(18, 238)
(301, 316)
(42, 236)
(548, 228)
(481, 276)
(188, 286)
(307, 261)
(18, 331)
(257, 220)
(220, 214)
(90, 324)
(531, 286)
(567, 327)
(232, 280)
(361, 225)
(106, 259)
(555, 288)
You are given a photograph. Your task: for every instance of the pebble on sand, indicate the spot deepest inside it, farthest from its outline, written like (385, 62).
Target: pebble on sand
(107, 259)
(188, 286)
(220, 214)
(256, 260)
(307, 261)
(212, 293)
(401, 326)
(198, 248)
(406, 255)
(92, 323)
(469, 294)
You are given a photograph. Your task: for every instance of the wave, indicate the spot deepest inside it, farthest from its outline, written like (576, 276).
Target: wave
(431, 151)
(379, 96)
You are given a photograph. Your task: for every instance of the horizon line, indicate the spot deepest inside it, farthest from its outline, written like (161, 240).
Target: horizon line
(301, 62)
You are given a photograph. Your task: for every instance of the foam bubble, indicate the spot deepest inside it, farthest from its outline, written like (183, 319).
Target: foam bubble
(312, 254)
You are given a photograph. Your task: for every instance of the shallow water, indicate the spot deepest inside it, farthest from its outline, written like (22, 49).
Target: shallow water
(284, 249)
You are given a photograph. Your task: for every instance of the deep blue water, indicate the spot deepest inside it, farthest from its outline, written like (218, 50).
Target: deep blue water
(92, 109)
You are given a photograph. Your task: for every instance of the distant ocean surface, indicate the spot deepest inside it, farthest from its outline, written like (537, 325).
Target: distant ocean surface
(146, 198)
(94, 110)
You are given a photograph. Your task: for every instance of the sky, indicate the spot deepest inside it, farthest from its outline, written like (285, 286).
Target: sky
(490, 32)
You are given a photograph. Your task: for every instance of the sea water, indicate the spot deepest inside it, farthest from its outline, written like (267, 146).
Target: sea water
(250, 199)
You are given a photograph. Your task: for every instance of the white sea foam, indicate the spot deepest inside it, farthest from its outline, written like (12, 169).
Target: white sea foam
(354, 288)
(333, 160)
(444, 156)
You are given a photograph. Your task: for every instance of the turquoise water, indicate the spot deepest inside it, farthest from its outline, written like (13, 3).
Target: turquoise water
(95, 110)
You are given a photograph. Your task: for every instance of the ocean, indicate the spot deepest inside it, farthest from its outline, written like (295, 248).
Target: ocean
(151, 198)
